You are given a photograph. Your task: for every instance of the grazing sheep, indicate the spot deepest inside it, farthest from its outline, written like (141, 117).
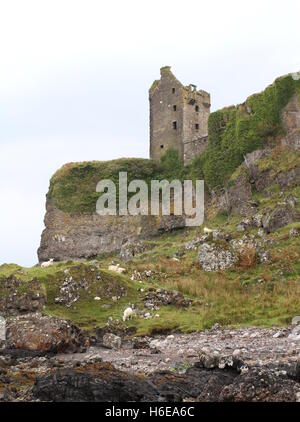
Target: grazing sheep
(47, 263)
(207, 231)
(127, 314)
(116, 268)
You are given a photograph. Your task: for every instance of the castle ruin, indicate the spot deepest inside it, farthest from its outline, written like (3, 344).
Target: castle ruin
(178, 117)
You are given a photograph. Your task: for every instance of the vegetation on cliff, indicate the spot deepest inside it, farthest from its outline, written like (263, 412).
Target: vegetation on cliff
(236, 131)
(73, 187)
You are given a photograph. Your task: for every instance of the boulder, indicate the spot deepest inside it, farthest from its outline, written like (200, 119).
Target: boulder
(281, 216)
(140, 343)
(39, 333)
(209, 360)
(112, 341)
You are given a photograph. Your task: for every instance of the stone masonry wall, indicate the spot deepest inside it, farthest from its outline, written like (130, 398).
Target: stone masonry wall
(193, 148)
(170, 102)
(162, 115)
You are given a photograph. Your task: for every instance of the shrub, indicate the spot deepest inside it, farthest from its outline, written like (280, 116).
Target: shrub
(247, 258)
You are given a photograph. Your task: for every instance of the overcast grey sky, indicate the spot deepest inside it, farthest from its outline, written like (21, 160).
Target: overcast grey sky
(74, 80)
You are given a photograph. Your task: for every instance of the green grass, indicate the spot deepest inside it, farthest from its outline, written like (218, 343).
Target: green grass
(265, 295)
(73, 187)
(281, 160)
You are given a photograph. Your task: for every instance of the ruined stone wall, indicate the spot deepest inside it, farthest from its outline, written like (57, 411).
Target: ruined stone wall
(194, 148)
(196, 113)
(170, 102)
(162, 115)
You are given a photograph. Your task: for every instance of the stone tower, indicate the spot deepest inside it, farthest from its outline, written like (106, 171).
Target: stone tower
(178, 117)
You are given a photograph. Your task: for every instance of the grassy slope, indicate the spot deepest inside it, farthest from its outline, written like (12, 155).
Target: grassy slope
(259, 295)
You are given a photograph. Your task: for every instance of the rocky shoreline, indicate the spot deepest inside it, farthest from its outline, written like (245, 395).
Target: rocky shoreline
(246, 364)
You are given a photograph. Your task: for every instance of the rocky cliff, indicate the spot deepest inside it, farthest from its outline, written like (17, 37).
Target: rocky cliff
(74, 229)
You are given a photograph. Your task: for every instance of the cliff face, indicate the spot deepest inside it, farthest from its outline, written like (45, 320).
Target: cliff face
(88, 235)
(74, 229)
(267, 171)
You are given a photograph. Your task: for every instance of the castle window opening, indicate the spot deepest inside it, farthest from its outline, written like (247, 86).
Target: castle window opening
(197, 108)
(197, 126)
(174, 107)
(173, 90)
(175, 125)
(161, 146)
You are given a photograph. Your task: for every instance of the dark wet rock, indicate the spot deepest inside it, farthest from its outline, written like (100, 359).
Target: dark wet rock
(260, 385)
(102, 382)
(39, 333)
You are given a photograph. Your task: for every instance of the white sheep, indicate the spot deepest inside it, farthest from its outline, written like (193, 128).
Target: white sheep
(116, 268)
(47, 263)
(207, 230)
(127, 314)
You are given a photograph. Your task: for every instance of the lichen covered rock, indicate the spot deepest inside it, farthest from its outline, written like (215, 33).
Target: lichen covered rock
(213, 257)
(21, 297)
(44, 334)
